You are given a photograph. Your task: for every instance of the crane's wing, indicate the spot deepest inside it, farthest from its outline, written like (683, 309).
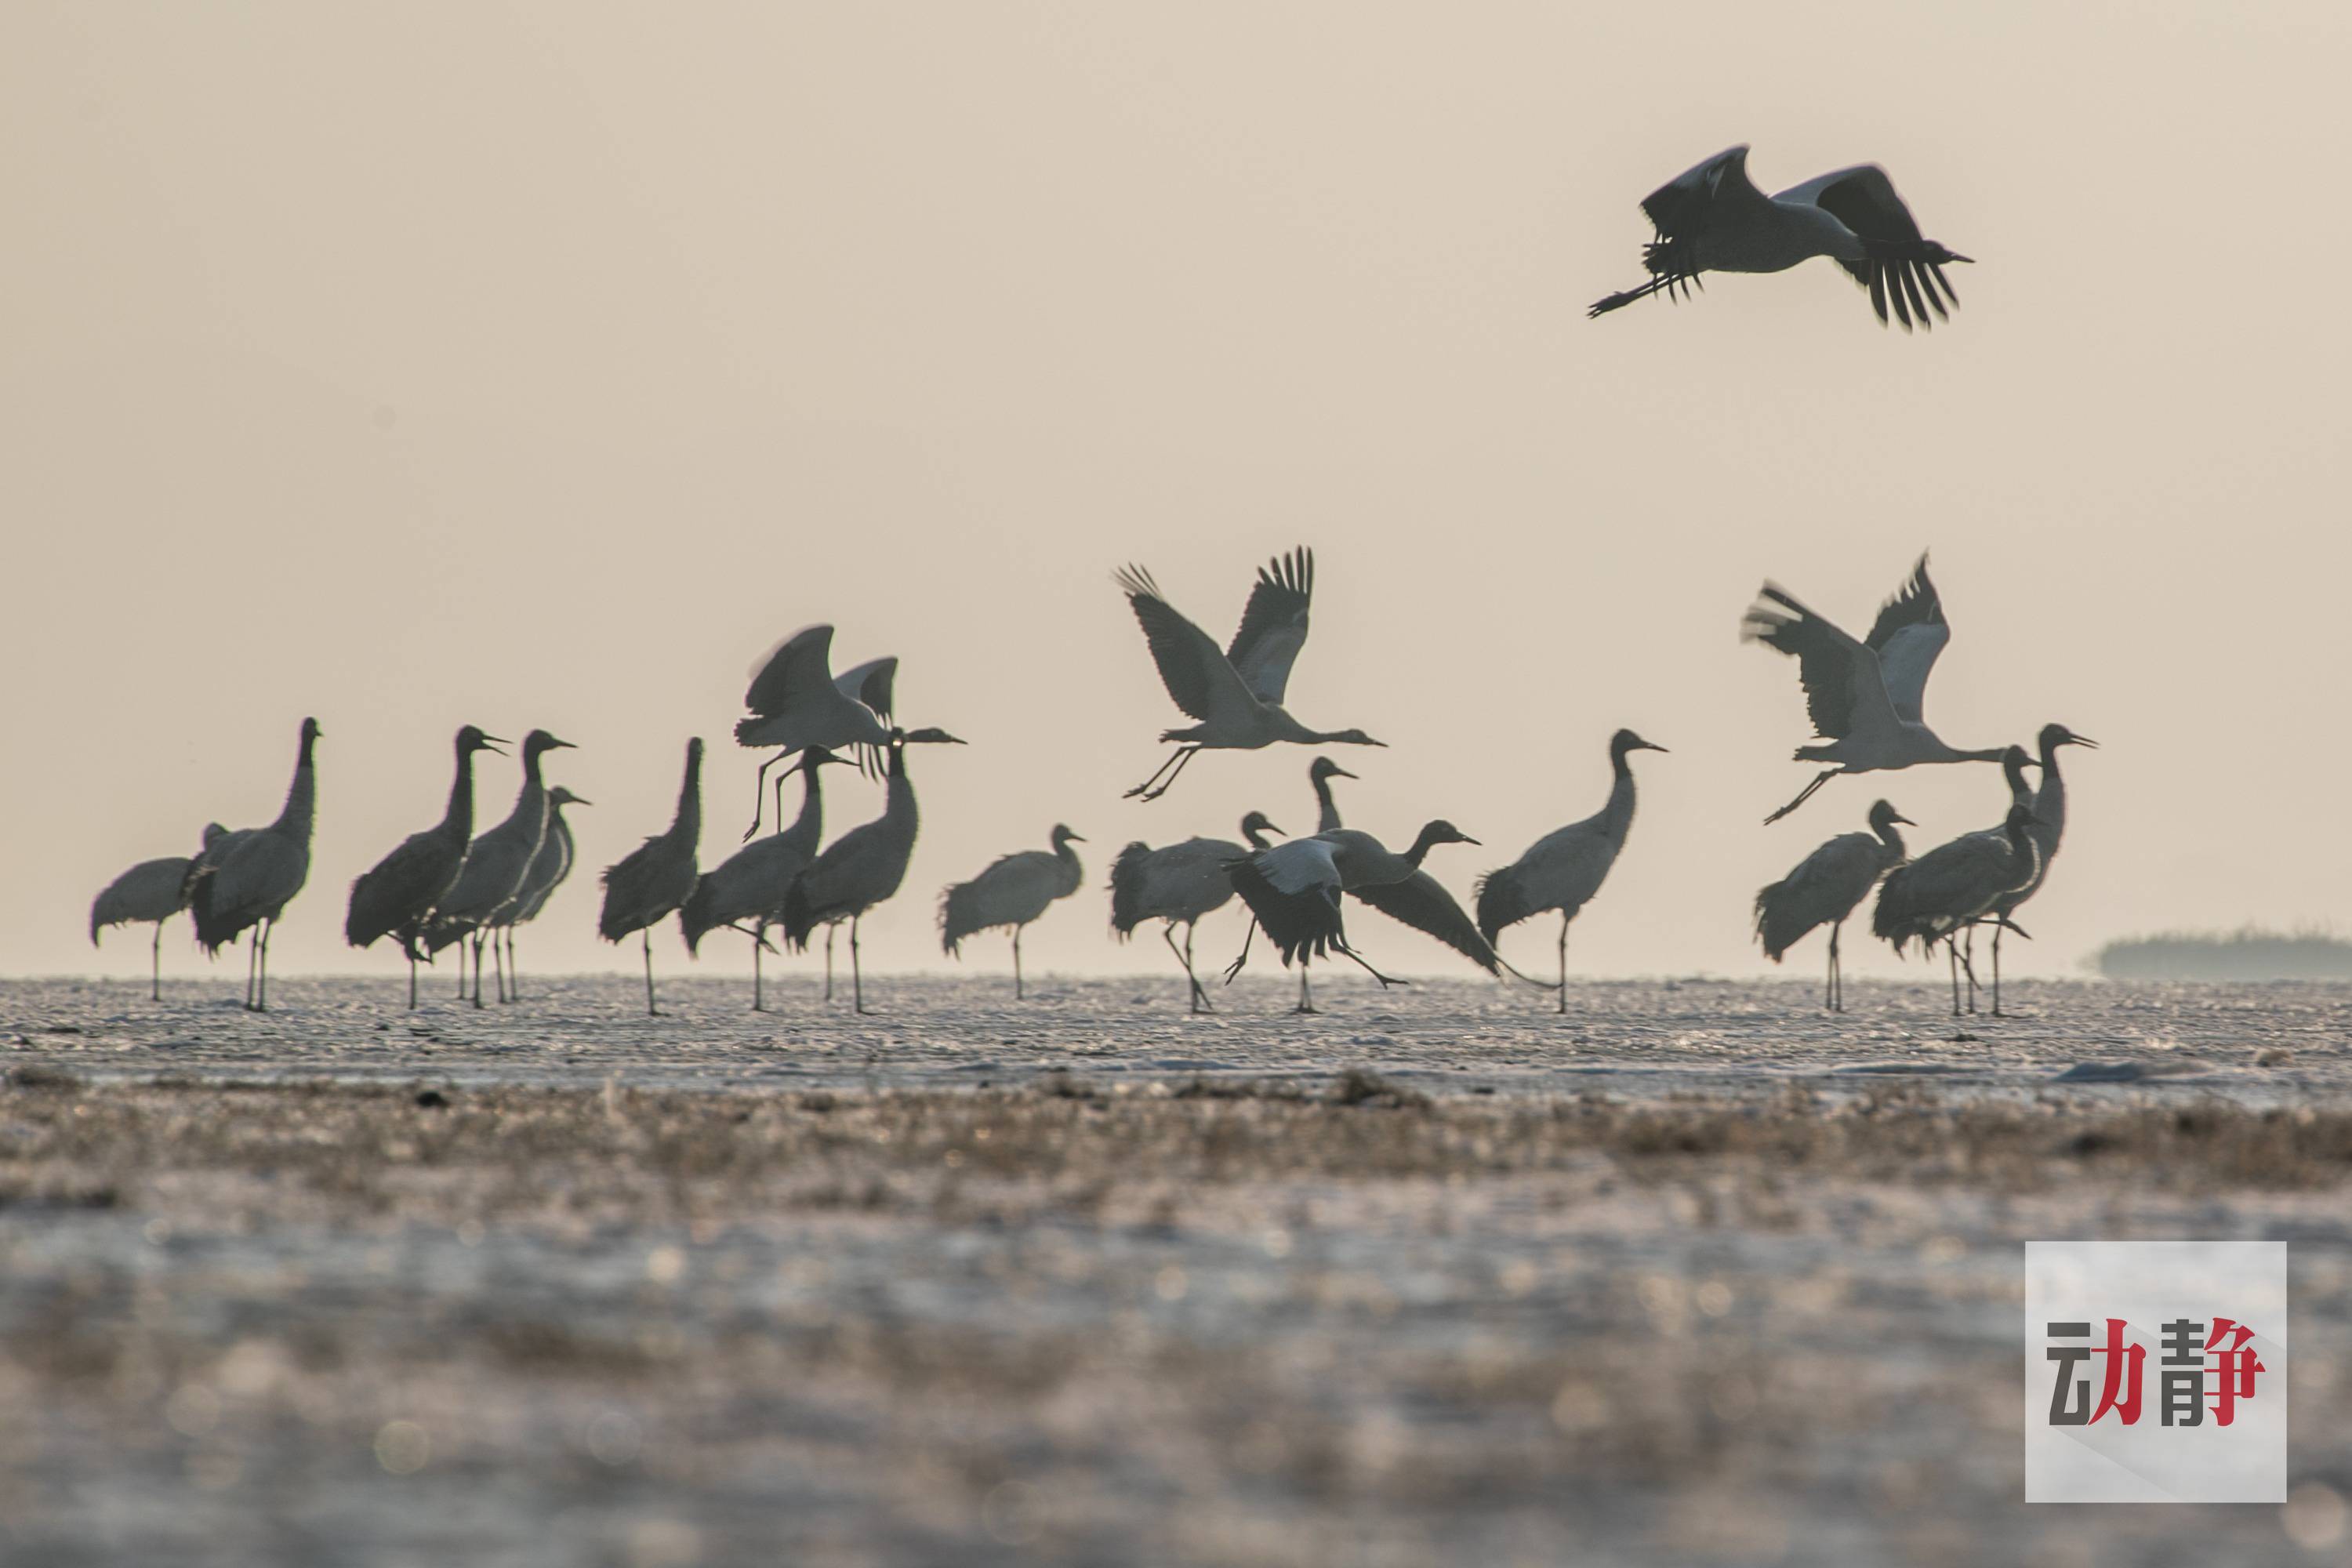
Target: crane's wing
(870, 683)
(1298, 865)
(1685, 207)
(1274, 627)
(1909, 636)
(1198, 677)
(1844, 690)
(792, 671)
(1421, 902)
(1863, 198)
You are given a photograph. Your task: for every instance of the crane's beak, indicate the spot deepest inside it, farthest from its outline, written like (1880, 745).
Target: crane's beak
(581, 800)
(1902, 821)
(492, 744)
(555, 745)
(2075, 740)
(1077, 837)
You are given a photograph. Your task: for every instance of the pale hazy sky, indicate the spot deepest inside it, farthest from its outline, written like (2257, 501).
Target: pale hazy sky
(542, 364)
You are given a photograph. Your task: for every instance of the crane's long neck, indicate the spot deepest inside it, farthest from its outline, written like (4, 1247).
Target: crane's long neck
(1890, 847)
(457, 822)
(302, 795)
(808, 828)
(2020, 791)
(1617, 815)
(898, 796)
(2050, 800)
(1327, 813)
(2023, 854)
(1256, 834)
(686, 826)
(531, 801)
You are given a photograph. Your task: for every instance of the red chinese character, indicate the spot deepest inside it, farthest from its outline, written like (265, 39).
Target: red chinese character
(2123, 1369)
(2237, 1368)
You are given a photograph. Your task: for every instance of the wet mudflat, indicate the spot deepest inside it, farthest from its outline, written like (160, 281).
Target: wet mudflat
(1692, 1276)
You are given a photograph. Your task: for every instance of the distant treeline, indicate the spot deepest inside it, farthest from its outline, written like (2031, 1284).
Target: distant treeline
(2248, 954)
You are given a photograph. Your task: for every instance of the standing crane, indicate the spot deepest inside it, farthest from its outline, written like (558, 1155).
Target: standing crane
(1712, 218)
(399, 894)
(549, 868)
(1320, 775)
(1564, 869)
(1013, 891)
(864, 866)
(244, 881)
(1176, 885)
(1824, 888)
(496, 865)
(1237, 694)
(749, 884)
(797, 702)
(646, 885)
(1864, 698)
(1294, 889)
(1934, 897)
(2049, 804)
(151, 891)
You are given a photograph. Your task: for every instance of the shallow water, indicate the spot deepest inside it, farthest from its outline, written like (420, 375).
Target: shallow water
(228, 1359)
(1630, 1037)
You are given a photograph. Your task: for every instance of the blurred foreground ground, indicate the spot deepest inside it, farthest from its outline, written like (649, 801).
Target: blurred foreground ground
(1694, 1276)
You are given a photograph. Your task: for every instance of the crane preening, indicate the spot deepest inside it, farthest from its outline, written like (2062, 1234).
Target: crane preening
(1864, 698)
(1236, 693)
(1712, 218)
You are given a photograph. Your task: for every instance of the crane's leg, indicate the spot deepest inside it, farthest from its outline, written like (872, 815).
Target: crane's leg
(412, 979)
(1996, 933)
(155, 966)
(758, 1004)
(760, 795)
(1305, 997)
(647, 933)
(857, 974)
(1830, 986)
(1199, 999)
(1952, 952)
(252, 951)
(1563, 962)
(1385, 981)
(261, 986)
(1968, 962)
(475, 942)
(1174, 766)
(1248, 937)
(514, 974)
(1017, 963)
(1804, 796)
(499, 965)
(829, 932)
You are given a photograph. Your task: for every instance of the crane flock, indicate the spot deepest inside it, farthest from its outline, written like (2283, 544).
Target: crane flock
(446, 886)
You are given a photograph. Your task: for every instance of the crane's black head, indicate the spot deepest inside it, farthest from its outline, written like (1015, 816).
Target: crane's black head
(558, 795)
(1325, 768)
(539, 740)
(694, 751)
(2014, 762)
(1062, 835)
(1256, 823)
(1884, 816)
(472, 739)
(2056, 735)
(1440, 831)
(1625, 741)
(311, 731)
(1354, 737)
